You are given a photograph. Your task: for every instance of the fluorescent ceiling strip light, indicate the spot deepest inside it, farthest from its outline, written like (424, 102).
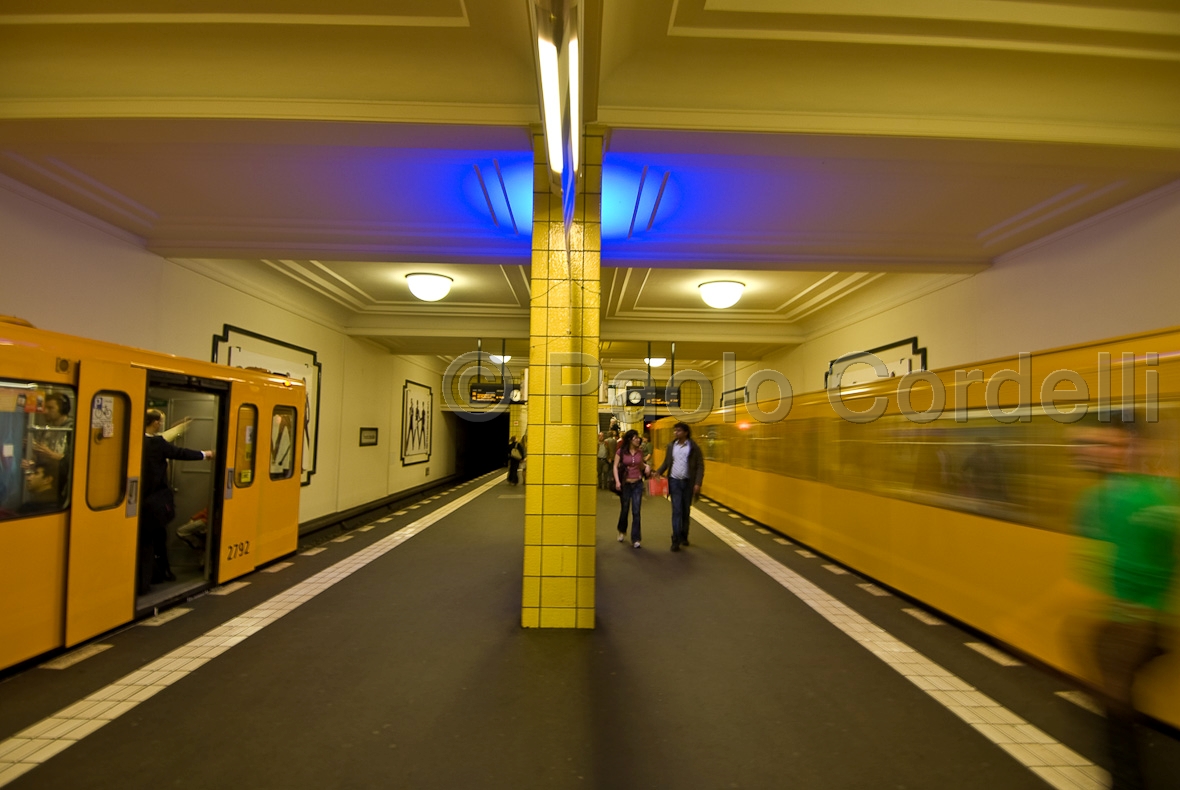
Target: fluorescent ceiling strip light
(575, 100)
(551, 98)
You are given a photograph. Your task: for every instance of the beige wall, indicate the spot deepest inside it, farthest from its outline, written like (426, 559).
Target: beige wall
(1116, 274)
(69, 273)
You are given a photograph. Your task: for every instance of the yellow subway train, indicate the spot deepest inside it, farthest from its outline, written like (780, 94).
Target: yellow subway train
(75, 559)
(960, 488)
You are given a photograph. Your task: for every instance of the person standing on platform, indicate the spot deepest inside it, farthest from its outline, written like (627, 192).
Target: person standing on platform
(157, 507)
(515, 456)
(604, 461)
(685, 465)
(1135, 517)
(630, 471)
(611, 444)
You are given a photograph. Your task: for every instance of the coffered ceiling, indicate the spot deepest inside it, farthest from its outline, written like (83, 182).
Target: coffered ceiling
(839, 157)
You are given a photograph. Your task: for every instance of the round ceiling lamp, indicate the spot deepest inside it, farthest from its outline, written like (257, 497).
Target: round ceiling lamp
(499, 360)
(655, 362)
(429, 287)
(721, 293)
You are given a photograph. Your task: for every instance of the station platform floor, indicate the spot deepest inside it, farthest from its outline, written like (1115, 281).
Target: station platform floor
(392, 657)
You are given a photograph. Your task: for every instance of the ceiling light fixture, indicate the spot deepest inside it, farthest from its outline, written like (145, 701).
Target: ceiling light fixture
(499, 360)
(429, 287)
(551, 99)
(721, 293)
(654, 362)
(557, 30)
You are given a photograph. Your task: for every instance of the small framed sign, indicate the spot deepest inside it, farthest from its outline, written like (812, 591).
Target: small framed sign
(368, 437)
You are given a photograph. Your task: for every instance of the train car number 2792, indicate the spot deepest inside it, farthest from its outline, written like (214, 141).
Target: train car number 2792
(236, 550)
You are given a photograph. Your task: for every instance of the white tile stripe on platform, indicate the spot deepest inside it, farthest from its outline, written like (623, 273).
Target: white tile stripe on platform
(924, 617)
(166, 617)
(1058, 765)
(36, 744)
(1082, 700)
(81, 654)
(999, 656)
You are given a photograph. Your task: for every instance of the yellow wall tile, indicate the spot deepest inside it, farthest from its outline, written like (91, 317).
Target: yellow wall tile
(530, 618)
(560, 499)
(558, 591)
(561, 439)
(559, 560)
(586, 535)
(561, 470)
(593, 176)
(538, 324)
(531, 595)
(559, 530)
(532, 561)
(533, 530)
(589, 468)
(558, 618)
(586, 560)
(588, 497)
(585, 618)
(533, 500)
(536, 443)
(588, 437)
(585, 592)
(589, 413)
(536, 465)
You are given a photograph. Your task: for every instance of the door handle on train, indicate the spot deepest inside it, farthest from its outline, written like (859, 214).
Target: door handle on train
(229, 483)
(132, 497)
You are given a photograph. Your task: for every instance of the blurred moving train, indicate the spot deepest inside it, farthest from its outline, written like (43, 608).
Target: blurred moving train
(71, 426)
(966, 508)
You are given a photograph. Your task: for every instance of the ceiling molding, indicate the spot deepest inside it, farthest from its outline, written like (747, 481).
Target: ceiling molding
(1130, 205)
(317, 20)
(1061, 29)
(42, 199)
(711, 331)
(221, 108)
(243, 285)
(849, 263)
(848, 319)
(848, 123)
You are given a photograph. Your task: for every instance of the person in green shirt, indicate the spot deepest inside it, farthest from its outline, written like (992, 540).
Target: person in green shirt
(1135, 517)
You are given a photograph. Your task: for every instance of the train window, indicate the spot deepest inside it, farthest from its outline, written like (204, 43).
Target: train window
(246, 445)
(108, 438)
(36, 447)
(282, 443)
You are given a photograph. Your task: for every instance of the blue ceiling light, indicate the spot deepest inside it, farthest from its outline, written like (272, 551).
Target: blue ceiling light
(636, 198)
(500, 191)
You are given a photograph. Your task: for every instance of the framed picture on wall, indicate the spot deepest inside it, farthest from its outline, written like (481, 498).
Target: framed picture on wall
(417, 428)
(240, 348)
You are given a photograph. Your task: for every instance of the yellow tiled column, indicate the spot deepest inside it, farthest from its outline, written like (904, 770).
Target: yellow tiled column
(562, 481)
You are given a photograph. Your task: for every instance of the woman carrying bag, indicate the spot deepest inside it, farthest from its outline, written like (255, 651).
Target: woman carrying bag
(629, 471)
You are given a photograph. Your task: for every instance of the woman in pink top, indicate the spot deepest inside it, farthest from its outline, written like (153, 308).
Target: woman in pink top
(630, 470)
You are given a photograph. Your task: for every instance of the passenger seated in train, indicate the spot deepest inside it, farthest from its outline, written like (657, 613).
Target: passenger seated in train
(43, 488)
(53, 439)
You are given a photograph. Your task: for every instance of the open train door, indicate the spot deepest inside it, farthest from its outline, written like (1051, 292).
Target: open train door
(237, 546)
(100, 585)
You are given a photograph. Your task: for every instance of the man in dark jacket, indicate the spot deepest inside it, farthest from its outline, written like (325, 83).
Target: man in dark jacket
(157, 508)
(685, 464)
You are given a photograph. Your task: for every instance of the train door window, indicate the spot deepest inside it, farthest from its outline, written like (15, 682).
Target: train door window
(36, 447)
(246, 445)
(282, 443)
(110, 432)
